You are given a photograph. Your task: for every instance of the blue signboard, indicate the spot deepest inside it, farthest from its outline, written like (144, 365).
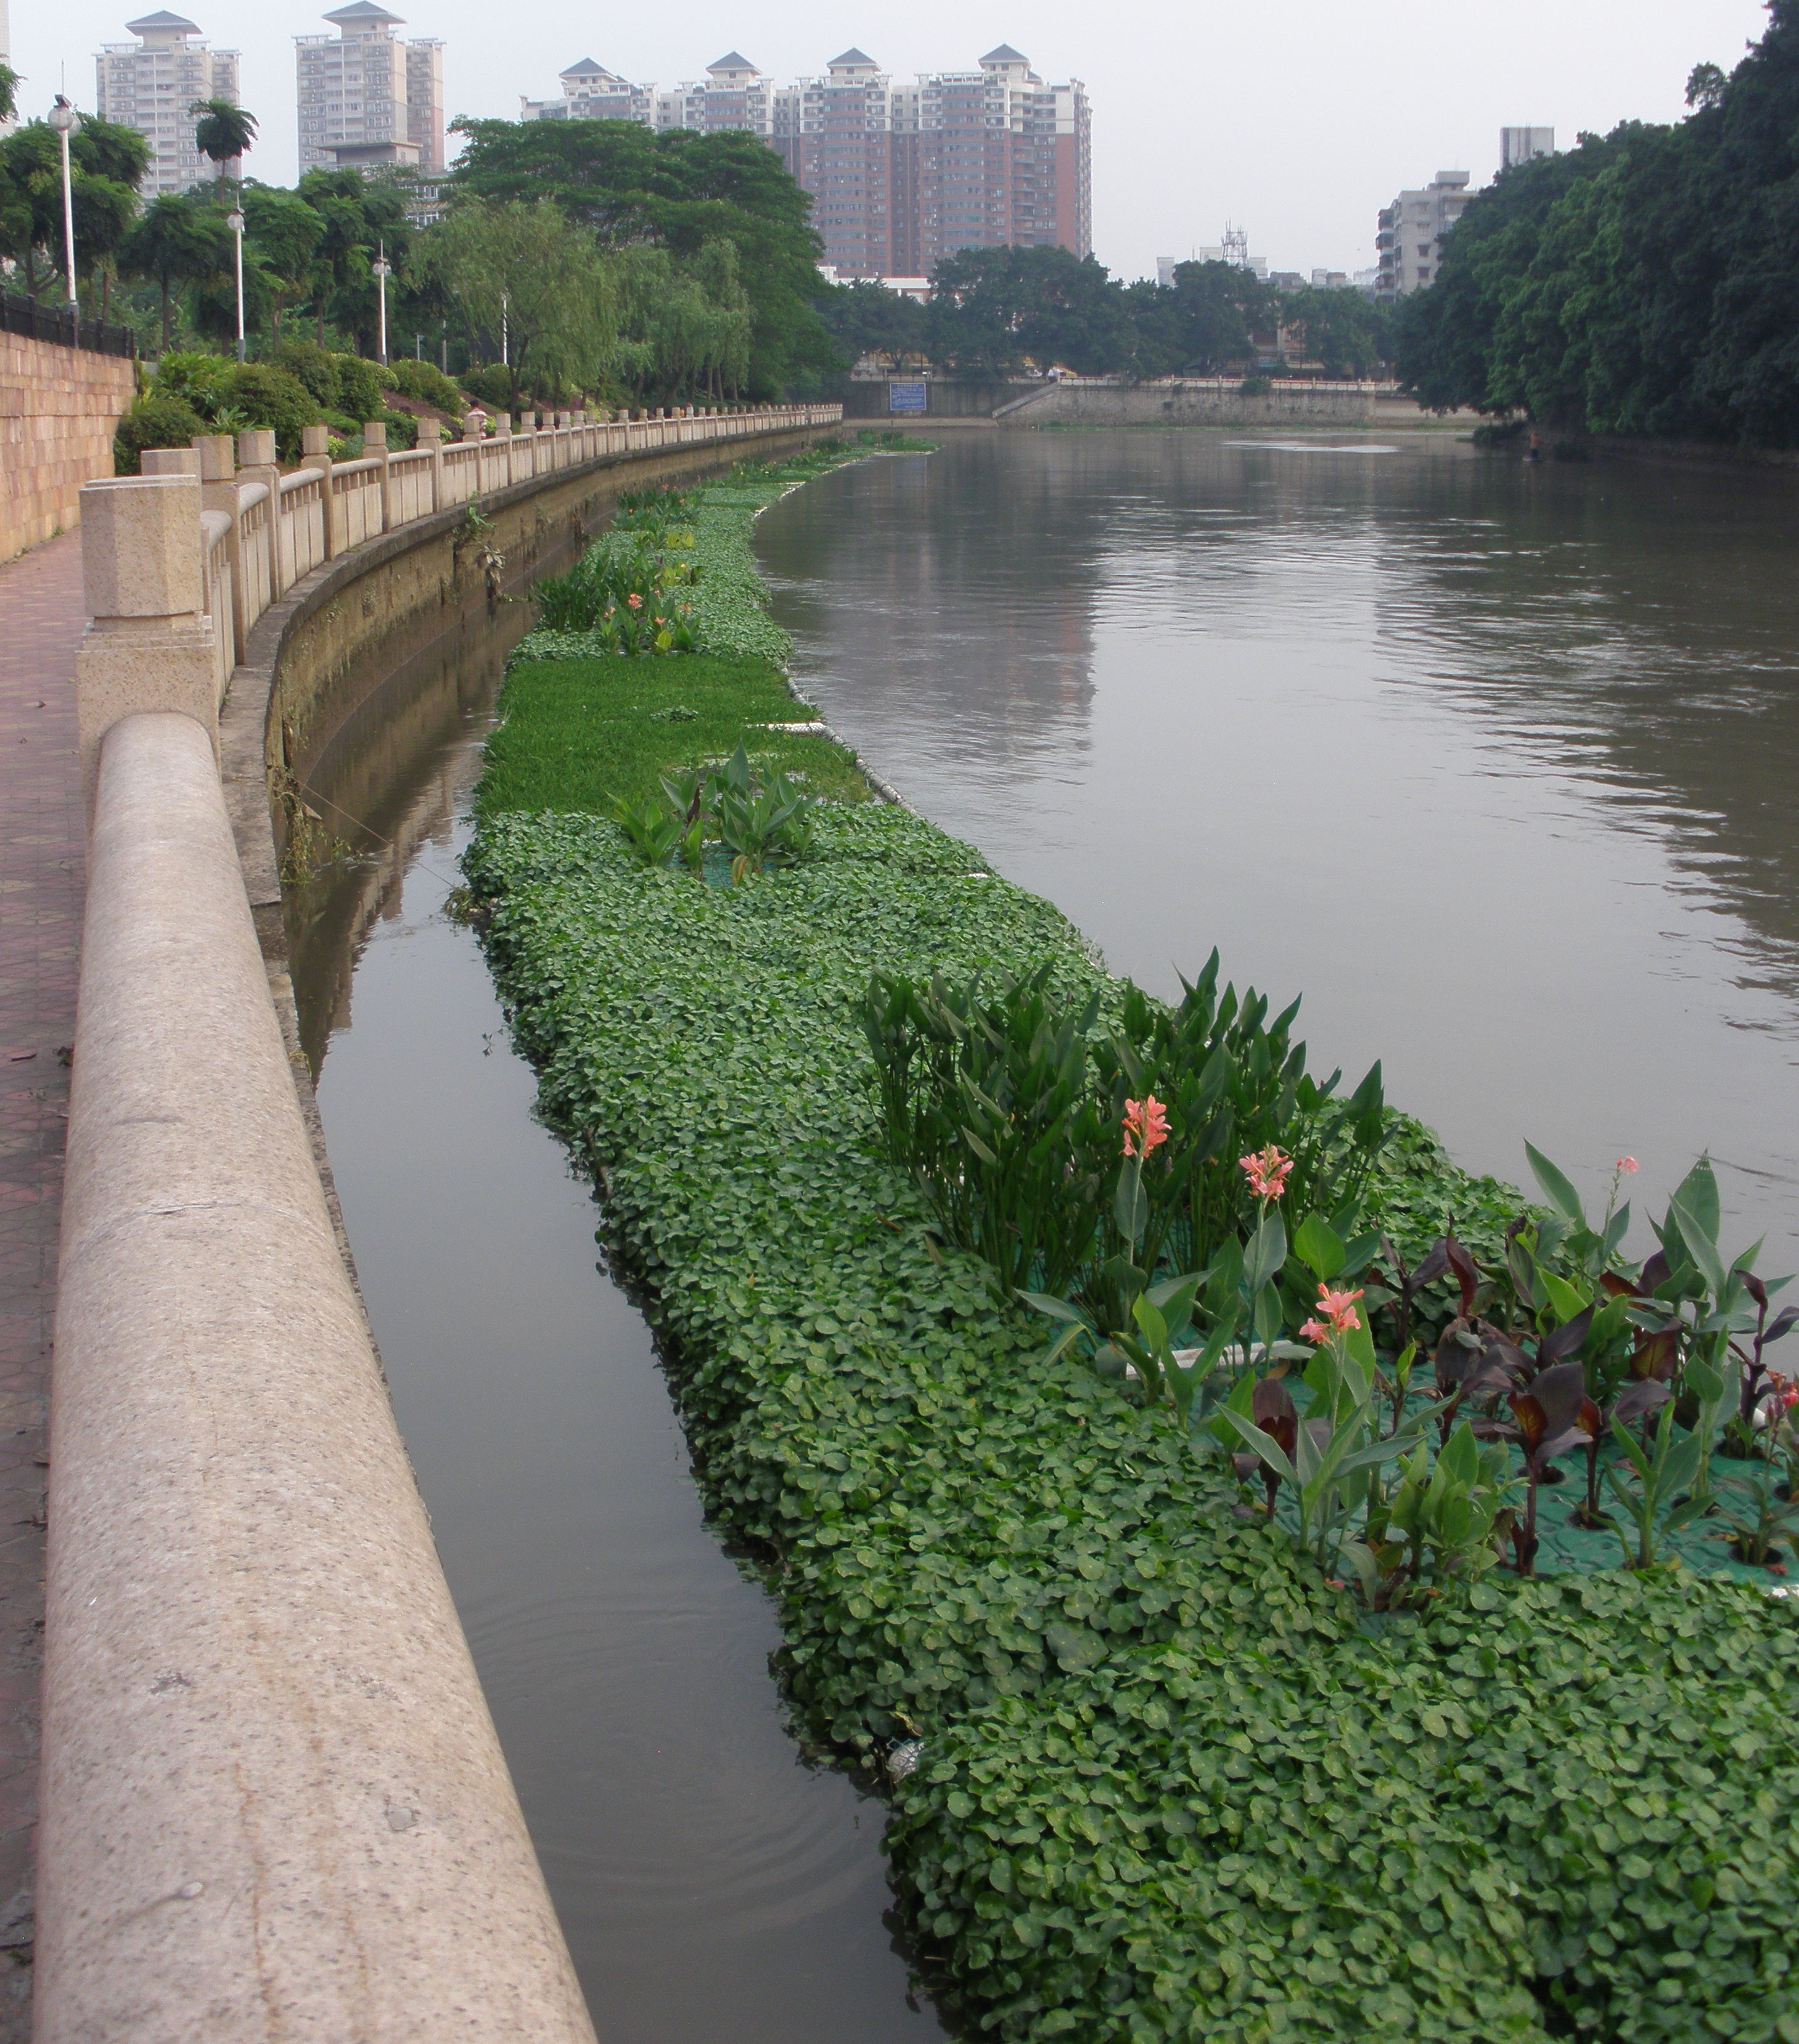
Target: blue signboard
(908, 397)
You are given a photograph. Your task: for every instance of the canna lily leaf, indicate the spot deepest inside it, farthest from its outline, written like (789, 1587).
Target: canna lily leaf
(1701, 1247)
(1173, 1297)
(1319, 1246)
(1056, 1309)
(1698, 1193)
(1061, 1345)
(1155, 1328)
(1130, 1205)
(1262, 1444)
(1265, 1253)
(1563, 1297)
(1557, 1188)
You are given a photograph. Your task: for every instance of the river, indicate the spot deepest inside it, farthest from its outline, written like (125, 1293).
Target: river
(1495, 763)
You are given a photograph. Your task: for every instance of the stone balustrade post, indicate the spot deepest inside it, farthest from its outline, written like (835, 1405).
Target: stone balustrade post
(374, 448)
(474, 426)
(314, 453)
(169, 461)
(256, 463)
(431, 436)
(218, 492)
(149, 644)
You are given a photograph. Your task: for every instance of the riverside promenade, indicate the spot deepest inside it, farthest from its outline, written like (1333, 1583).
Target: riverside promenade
(42, 877)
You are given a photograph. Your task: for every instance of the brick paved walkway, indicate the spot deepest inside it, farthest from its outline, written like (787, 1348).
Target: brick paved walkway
(41, 881)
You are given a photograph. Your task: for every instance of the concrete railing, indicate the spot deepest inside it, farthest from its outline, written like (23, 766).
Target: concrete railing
(273, 1803)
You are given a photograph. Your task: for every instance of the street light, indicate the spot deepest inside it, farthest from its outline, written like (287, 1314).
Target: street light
(65, 119)
(383, 270)
(234, 220)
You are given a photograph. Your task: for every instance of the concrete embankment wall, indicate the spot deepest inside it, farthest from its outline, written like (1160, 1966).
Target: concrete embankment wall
(1194, 403)
(273, 1806)
(59, 409)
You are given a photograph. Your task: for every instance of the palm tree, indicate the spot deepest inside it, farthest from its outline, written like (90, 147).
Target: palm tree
(223, 131)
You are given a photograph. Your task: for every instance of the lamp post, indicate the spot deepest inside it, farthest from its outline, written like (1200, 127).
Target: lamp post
(65, 119)
(383, 270)
(234, 220)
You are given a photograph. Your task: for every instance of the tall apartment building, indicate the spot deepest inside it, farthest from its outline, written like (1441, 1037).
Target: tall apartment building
(1518, 145)
(1409, 235)
(590, 92)
(901, 175)
(366, 97)
(149, 85)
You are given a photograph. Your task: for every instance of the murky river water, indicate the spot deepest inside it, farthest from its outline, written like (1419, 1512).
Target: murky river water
(1496, 764)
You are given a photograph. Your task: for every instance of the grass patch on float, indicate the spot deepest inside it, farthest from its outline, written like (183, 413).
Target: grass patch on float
(574, 734)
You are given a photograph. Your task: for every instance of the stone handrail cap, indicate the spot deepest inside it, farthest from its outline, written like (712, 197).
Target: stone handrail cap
(140, 547)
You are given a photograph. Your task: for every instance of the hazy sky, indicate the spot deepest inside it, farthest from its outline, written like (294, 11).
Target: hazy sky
(1298, 121)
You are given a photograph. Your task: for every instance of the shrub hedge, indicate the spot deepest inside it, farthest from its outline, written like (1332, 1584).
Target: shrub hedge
(1153, 1776)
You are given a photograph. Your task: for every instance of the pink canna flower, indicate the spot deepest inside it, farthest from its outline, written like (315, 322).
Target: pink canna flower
(1627, 1164)
(1339, 1317)
(635, 601)
(1266, 1171)
(1145, 1126)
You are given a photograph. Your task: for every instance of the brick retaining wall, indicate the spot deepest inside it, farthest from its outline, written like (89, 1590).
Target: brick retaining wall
(58, 409)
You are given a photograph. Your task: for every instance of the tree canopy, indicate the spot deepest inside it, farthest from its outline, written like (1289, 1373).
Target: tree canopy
(994, 311)
(680, 190)
(1645, 283)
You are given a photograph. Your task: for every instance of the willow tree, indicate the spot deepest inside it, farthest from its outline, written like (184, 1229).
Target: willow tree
(530, 270)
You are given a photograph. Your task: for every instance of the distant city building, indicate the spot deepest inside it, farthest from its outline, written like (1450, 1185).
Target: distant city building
(424, 193)
(367, 98)
(1410, 233)
(151, 84)
(905, 287)
(590, 92)
(1234, 249)
(1330, 280)
(1518, 145)
(901, 175)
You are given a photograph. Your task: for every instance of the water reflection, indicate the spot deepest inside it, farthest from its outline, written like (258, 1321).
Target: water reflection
(1491, 759)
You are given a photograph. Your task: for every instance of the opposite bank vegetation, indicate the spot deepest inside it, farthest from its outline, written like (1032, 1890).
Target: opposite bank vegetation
(1156, 1773)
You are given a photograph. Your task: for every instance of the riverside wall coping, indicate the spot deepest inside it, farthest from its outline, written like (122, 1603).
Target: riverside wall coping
(274, 1804)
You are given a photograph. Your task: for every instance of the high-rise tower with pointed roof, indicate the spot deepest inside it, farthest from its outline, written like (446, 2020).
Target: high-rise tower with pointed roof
(366, 97)
(149, 84)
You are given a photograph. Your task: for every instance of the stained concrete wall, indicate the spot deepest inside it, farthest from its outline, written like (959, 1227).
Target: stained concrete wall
(59, 409)
(1207, 403)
